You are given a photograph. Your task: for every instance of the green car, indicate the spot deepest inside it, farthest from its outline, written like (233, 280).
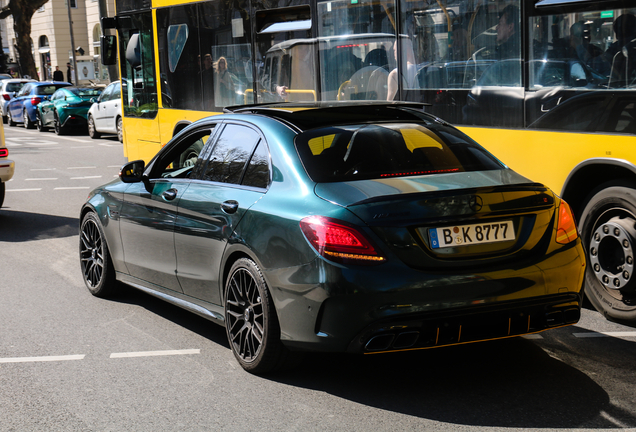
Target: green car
(339, 228)
(66, 109)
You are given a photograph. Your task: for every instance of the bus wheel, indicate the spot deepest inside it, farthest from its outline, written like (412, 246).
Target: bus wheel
(608, 231)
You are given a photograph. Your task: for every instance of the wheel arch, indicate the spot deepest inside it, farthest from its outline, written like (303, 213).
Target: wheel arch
(231, 257)
(590, 174)
(181, 125)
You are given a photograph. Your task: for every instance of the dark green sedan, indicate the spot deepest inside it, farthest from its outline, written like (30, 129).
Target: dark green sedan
(66, 109)
(337, 228)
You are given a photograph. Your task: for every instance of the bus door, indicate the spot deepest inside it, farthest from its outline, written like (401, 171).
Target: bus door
(138, 85)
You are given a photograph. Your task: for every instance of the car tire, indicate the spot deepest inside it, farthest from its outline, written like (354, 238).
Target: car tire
(92, 132)
(2, 191)
(4, 119)
(97, 266)
(120, 129)
(39, 124)
(250, 320)
(10, 119)
(28, 124)
(59, 129)
(609, 236)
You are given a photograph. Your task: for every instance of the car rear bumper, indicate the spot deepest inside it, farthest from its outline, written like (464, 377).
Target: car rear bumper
(387, 308)
(7, 167)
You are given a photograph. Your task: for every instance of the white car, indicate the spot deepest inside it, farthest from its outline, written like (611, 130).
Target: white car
(105, 115)
(8, 89)
(6, 166)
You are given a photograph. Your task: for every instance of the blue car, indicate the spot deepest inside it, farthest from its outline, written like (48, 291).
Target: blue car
(23, 108)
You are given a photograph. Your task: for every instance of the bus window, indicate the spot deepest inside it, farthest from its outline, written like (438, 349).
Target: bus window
(285, 55)
(138, 71)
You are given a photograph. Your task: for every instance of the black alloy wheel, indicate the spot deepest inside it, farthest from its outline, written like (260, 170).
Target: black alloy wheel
(28, 124)
(251, 323)
(97, 267)
(608, 230)
(92, 132)
(59, 129)
(39, 124)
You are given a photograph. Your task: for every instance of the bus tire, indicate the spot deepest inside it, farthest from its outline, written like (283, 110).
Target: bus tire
(608, 232)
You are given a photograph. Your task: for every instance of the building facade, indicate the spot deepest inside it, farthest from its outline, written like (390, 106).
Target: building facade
(51, 40)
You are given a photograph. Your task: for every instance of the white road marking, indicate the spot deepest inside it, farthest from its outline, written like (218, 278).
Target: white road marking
(605, 334)
(532, 336)
(42, 179)
(86, 177)
(77, 140)
(71, 188)
(114, 166)
(81, 147)
(42, 169)
(155, 353)
(42, 359)
(24, 190)
(85, 167)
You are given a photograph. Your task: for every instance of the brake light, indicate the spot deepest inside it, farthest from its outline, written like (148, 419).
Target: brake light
(566, 225)
(4, 152)
(338, 241)
(6, 97)
(35, 100)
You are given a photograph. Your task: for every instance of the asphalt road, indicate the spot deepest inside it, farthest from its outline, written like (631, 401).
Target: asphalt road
(72, 362)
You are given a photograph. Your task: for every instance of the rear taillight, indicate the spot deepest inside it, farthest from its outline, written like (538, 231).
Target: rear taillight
(338, 241)
(35, 100)
(566, 225)
(6, 97)
(4, 152)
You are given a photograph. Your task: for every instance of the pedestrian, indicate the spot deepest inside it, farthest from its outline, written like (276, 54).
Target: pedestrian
(58, 75)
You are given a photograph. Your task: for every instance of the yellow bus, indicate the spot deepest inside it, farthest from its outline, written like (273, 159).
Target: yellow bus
(549, 86)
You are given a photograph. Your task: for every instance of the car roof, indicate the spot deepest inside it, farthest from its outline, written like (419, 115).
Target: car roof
(305, 116)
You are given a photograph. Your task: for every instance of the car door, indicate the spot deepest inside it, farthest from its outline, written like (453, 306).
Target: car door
(235, 177)
(100, 111)
(47, 106)
(149, 211)
(112, 108)
(15, 105)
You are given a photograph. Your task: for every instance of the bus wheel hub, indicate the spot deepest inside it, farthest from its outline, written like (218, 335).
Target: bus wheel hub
(611, 253)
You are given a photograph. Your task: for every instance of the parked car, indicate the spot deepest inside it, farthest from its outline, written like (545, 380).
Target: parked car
(7, 167)
(105, 115)
(336, 227)
(67, 109)
(8, 89)
(23, 107)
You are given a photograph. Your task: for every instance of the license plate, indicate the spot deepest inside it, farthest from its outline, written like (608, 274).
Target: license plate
(464, 235)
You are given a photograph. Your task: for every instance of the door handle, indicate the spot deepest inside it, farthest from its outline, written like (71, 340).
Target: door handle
(170, 194)
(230, 206)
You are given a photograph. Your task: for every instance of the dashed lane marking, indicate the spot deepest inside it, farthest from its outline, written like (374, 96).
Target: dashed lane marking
(24, 190)
(41, 179)
(42, 359)
(604, 334)
(72, 188)
(84, 167)
(155, 353)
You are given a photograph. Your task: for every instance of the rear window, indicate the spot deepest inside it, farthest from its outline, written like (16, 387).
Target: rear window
(375, 151)
(47, 89)
(14, 86)
(86, 92)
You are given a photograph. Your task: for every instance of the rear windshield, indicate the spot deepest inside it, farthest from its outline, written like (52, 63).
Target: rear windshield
(375, 151)
(14, 86)
(48, 89)
(86, 92)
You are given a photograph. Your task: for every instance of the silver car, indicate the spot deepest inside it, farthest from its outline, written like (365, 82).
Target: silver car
(105, 115)
(8, 89)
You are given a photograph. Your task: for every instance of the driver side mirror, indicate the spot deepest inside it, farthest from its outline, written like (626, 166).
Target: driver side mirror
(108, 47)
(132, 172)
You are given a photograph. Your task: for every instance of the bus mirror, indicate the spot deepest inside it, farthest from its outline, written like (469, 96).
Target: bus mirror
(133, 51)
(108, 45)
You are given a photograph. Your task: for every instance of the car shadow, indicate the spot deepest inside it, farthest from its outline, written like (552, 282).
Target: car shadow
(504, 383)
(18, 226)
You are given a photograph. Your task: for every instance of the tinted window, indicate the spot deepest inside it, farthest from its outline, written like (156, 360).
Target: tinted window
(230, 154)
(13, 87)
(389, 150)
(257, 173)
(183, 157)
(85, 92)
(106, 93)
(46, 89)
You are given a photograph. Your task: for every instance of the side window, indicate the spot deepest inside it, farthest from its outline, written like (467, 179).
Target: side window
(25, 90)
(106, 94)
(257, 173)
(116, 92)
(184, 158)
(230, 154)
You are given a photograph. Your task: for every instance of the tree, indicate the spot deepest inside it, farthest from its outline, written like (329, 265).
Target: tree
(22, 12)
